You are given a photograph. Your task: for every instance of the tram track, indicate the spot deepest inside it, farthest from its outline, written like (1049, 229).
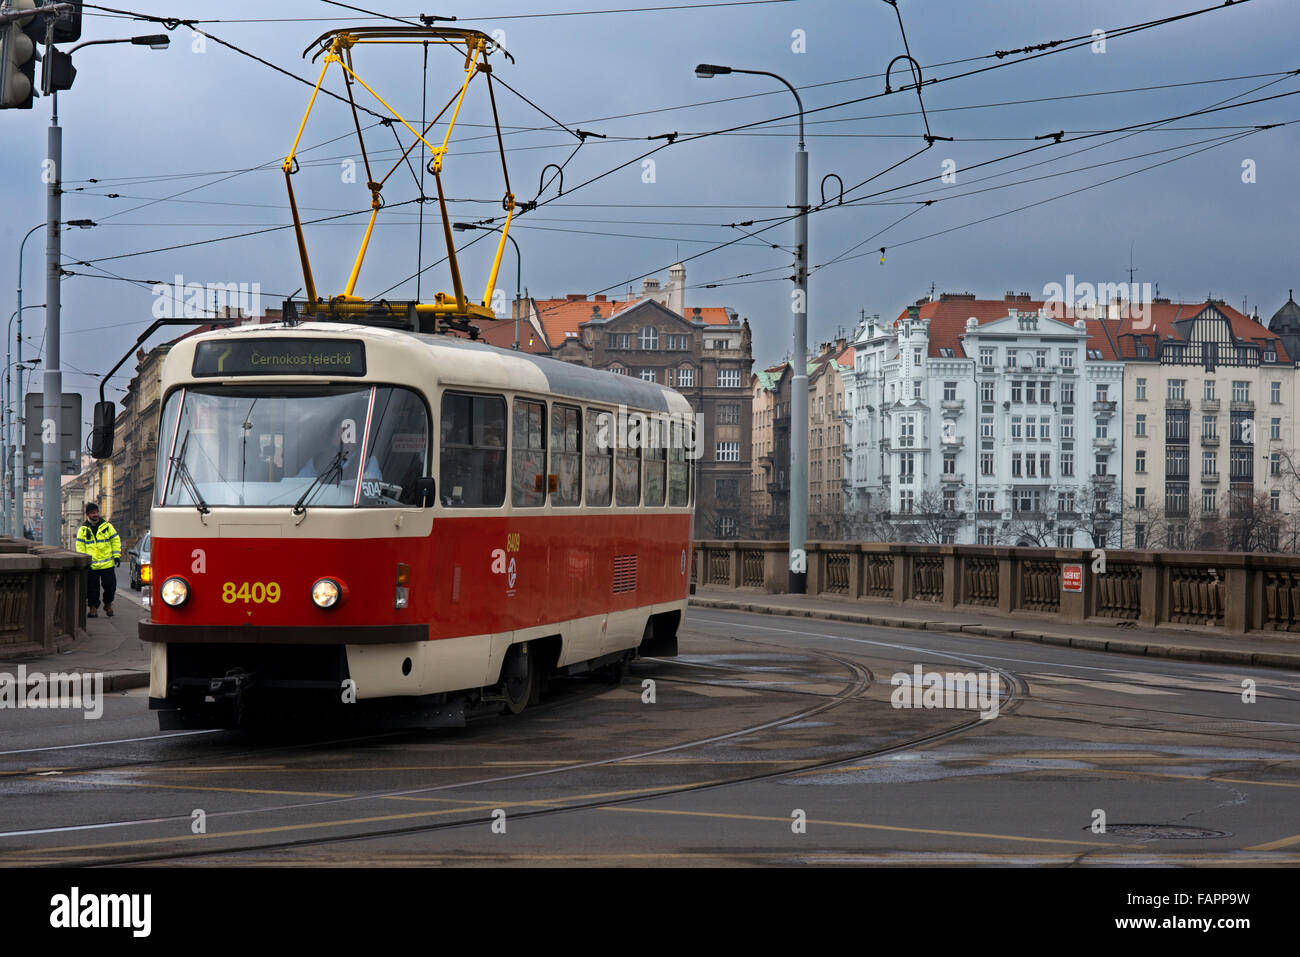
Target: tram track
(857, 681)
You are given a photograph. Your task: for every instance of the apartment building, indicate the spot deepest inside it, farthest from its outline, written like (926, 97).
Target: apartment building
(985, 421)
(770, 459)
(1209, 415)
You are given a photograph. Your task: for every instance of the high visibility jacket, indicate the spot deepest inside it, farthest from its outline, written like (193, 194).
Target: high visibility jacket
(102, 544)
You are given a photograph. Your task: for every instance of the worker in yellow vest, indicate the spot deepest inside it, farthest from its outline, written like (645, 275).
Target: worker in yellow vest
(99, 539)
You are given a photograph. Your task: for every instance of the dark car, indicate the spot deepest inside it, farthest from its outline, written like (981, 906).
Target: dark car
(138, 558)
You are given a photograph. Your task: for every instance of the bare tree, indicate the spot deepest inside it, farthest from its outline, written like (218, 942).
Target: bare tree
(1252, 525)
(934, 520)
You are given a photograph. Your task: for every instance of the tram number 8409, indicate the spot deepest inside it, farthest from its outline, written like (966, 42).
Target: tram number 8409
(254, 592)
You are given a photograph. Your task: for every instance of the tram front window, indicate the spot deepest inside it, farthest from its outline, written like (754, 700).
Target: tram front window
(278, 447)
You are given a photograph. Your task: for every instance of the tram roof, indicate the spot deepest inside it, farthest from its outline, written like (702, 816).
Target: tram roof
(470, 364)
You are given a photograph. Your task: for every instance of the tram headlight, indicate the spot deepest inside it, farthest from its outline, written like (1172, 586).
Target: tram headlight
(175, 592)
(326, 593)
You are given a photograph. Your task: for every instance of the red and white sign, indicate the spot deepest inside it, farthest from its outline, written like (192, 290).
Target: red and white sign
(1071, 578)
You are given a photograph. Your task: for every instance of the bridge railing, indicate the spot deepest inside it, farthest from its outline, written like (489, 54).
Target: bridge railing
(1230, 592)
(42, 597)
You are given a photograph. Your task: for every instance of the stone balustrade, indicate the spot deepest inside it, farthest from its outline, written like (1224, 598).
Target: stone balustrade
(42, 597)
(1229, 592)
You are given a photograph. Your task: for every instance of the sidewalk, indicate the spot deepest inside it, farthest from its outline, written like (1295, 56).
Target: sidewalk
(111, 647)
(1258, 649)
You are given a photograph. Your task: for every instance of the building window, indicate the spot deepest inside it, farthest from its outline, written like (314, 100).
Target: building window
(648, 338)
(988, 501)
(1017, 468)
(949, 463)
(1275, 428)
(1040, 358)
(647, 375)
(1209, 501)
(685, 378)
(986, 463)
(1045, 391)
(1275, 500)
(906, 468)
(1064, 538)
(728, 452)
(728, 414)
(916, 388)
(1028, 500)
(1065, 502)
(1044, 464)
(1030, 394)
(1140, 461)
(1094, 353)
(1103, 393)
(1275, 392)
(906, 431)
(1241, 466)
(985, 536)
(1139, 536)
(1209, 390)
(1141, 390)
(729, 378)
(1044, 428)
(986, 391)
(1209, 426)
(986, 426)
(950, 392)
(1031, 466)
(1240, 391)
(950, 500)
(1011, 358)
(1067, 393)
(1016, 391)
(727, 527)
(1066, 358)
(618, 370)
(1102, 466)
(1102, 430)
(988, 356)
(1067, 464)
(1209, 463)
(1140, 426)
(1140, 497)
(1016, 428)
(1177, 389)
(1275, 464)
(1067, 427)
(677, 343)
(1031, 428)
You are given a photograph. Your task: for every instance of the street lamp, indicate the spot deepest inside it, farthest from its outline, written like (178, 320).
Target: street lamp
(53, 392)
(799, 382)
(519, 267)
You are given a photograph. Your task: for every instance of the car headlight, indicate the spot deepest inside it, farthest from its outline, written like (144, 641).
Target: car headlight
(175, 592)
(326, 593)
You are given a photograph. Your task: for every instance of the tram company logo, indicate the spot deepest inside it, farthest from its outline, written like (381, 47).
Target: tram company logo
(937, 690)
(75, 910)
(36, 690)
(196, 300)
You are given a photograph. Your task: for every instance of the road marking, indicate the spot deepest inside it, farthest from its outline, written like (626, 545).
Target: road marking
(1277, 845)
(872, 827)
(99, 744)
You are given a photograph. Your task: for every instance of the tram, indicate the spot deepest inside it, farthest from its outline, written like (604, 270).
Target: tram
(370, 513)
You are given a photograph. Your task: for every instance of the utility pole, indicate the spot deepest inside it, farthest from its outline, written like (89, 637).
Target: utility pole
(52, 408)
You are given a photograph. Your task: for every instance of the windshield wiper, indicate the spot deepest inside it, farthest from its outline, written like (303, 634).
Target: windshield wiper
(336, 464)
(187, 478)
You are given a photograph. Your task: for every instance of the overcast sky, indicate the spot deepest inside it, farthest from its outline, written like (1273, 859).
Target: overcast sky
(150, 125)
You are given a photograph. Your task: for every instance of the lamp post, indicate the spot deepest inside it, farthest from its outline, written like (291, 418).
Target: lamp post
(519, 267)
(799, 383)
(52, 405)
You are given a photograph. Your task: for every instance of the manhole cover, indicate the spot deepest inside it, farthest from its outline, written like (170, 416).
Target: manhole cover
(1164, 832)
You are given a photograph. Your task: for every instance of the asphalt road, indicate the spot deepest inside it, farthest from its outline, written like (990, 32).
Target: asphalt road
(768, 741)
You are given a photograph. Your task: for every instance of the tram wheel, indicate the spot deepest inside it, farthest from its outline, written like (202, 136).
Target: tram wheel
(518, 678)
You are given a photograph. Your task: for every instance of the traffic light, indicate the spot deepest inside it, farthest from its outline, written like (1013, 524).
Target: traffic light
(68, 29)
(18, 68)
(57, 71)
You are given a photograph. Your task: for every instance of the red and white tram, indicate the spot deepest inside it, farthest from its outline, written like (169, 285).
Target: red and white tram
(369, 513)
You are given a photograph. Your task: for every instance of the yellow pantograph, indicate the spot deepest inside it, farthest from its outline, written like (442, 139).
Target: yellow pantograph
(337, 46)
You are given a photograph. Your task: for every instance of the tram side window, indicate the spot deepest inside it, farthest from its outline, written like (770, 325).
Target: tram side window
(627, 471)
(679, 469)
(600, 457)
(473, 472)
(528, 485)
(566, 454)
(655, 460)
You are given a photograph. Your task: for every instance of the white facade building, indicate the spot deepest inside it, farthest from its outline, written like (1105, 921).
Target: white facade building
(981, 421)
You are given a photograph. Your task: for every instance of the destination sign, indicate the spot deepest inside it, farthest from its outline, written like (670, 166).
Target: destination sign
(232, 357)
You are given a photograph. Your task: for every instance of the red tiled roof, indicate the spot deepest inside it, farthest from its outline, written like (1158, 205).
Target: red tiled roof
(1112, 337)
(502, 334)
(562, 318)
